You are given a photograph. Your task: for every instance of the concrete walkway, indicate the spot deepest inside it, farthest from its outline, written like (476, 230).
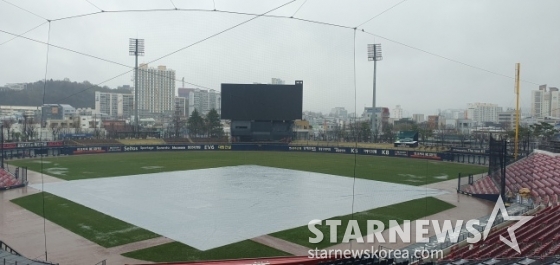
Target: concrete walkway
(23, 231)
(466, 208)
(281, 244)
(140, 245)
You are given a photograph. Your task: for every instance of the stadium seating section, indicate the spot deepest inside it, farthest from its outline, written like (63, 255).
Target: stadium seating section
(540, 237)
(540, 173)
(207, 140)
(9, 256)
(7, 180)
(178, 140)
(87, 142)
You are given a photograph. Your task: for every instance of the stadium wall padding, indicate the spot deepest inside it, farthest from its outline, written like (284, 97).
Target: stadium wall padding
(255, 147)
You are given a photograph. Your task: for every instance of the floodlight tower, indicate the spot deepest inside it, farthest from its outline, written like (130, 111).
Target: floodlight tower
(374, 54)
(136, 48)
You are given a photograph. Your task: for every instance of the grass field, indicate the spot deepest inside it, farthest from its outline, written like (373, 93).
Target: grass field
(389, 169)
(180, 252)
(95, 226)
(410, 210)
(107, 231)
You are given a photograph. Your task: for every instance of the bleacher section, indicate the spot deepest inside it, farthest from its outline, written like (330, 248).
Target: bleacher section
(141, 141)
(88, 142)
(540, 237)
(209, 140)
(510, 261)
(8, 181)
(8, 256)
(540, 173)
(178, 140)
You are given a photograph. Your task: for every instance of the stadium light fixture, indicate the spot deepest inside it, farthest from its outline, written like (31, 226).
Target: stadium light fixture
(374, 54)
(136, 48)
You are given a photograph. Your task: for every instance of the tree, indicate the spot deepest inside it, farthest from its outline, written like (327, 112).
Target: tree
(55, 129)
(177, 124)
(195, 123)
(388, 133)
(543, 130)
(28, 128)
(213, 124)
(7, 125)
(364, 131)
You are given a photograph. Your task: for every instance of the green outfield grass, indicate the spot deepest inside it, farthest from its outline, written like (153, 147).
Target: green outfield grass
(410, 210)
(389, 169)
(93, 225)
(180, 252)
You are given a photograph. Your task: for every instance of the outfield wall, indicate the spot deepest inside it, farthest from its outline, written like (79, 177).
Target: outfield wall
(256, 147)
(460, 156)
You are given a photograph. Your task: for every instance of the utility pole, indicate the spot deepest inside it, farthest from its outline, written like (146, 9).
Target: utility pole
(517, 112)
(136, 48)
(374, 54)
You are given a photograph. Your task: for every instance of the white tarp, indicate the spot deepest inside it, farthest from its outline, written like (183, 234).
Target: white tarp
(209, 208)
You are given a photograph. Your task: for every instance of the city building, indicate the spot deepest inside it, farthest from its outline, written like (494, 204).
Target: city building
(277, 81)
(57, 112)
(203, 101)
(181, 106)
(16, 86)
(184, 92)
(397, 113)
(17, 112)
(436, 122)
(453, 114)
(507, 119)
(114, 105)
(483, 112)
(418, 118)
(156, 89)
(545, 103)
(382, 118)
(464, 126)
(339, 112)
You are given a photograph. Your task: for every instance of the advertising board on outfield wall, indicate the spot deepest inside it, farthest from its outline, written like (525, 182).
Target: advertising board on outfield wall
(255, 147)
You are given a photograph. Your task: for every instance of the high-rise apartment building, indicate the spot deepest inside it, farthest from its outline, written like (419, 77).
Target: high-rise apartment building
(339, 112)
(203, 101)
(181, 106)
(397, 112)
(507, 119)
(418, 118)
(277, 81)
(483, 112)
(114, 105)
(545, 103)
(156, 89)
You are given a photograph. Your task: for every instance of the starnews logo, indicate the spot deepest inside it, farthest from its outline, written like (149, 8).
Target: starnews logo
(402, 232)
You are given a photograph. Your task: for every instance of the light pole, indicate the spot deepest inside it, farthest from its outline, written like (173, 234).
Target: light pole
(374, 54)
(136, 48)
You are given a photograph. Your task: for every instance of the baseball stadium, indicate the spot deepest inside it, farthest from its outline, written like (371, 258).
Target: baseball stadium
(238, 172)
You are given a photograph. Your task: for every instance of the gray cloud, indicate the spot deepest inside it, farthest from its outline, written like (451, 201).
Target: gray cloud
(493, 35)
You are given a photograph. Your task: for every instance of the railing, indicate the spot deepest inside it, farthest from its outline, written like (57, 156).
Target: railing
(7, 248)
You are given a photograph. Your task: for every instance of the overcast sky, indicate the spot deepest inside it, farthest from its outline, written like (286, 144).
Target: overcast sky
(492, 35)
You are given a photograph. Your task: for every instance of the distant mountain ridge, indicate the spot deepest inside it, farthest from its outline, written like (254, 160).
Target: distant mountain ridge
(56, 92)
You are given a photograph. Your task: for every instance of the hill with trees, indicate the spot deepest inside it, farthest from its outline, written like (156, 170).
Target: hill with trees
(78, 95)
